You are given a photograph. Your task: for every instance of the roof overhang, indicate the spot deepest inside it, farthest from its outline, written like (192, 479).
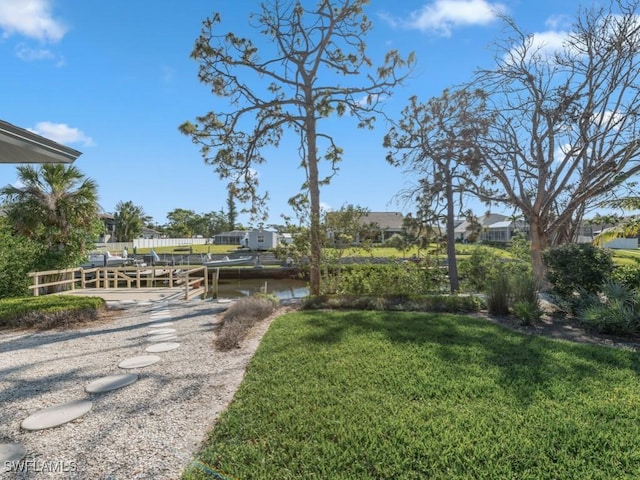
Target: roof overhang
(18, 145)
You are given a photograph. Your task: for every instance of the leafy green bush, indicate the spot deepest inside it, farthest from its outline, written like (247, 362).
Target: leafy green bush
(616, 310)
(241, 316)
(18, 257)
(572, 269)
(479, 269)
(417, 303)
(628, 275)
(390, 279)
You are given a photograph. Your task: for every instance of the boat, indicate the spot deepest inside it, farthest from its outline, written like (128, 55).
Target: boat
(226, 262)
(108, 260)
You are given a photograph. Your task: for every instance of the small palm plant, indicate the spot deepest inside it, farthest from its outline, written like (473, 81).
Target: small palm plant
(616, 310)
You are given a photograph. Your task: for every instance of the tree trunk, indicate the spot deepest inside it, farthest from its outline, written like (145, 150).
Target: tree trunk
(451, 240)
(538, 244)
(314, 199)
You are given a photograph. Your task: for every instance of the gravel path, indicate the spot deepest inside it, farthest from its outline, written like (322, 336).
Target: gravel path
(147, 430)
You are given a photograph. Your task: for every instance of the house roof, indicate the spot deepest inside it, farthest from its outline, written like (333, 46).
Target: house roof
(18, 145)
(385, 220)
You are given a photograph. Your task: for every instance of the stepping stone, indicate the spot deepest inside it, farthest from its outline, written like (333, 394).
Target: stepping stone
(160, 312)
(162, 347)
(112, 382)
(56, 415)
(160, 324)
(10, 454)
(161, 338)
(161, 319)
(160, 331)
(139, 362)
(224, 300)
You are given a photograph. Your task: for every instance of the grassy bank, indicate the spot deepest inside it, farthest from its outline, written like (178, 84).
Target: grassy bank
(347, 395)
(48, 311)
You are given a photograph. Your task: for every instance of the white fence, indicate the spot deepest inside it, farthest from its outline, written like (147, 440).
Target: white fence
(118, 247)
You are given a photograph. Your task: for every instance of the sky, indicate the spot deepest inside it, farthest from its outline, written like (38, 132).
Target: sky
(114, 80)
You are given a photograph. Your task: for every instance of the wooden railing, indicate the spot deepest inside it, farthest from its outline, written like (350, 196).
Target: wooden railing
(124, 277)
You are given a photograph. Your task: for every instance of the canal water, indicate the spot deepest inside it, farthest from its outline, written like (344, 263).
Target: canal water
(284, 289)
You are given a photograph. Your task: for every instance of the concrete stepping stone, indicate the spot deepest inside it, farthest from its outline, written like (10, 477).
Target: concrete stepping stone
(160, 324)
(160, 331)
(161, 338)
(162, 347)
(56, 415)
(165, 318)
(164, 311)
(139, 362)
(224, 300)
(112, 382)
(10, 454)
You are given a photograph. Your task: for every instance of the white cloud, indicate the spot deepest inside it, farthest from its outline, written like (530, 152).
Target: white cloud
(62, 133)
(30, 18)
(28, 54)
(442, 16)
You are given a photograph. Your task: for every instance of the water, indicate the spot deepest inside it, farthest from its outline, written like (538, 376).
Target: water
(282, 288)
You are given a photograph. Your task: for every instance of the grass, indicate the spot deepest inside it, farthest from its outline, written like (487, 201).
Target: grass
(48, 311)
(626, 257)
(345, 395)
(197, 249)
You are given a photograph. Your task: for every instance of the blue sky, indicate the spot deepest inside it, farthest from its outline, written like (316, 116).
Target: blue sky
(114, 80)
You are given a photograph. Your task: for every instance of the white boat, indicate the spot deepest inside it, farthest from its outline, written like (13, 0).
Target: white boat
(226, 261)
(109, 260)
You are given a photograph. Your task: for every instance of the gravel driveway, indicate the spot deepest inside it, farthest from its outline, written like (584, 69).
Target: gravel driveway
(147, 430)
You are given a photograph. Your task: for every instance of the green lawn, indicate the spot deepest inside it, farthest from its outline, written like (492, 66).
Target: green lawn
(346, 395)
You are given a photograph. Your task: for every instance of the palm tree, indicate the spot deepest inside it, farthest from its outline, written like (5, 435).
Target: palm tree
(55, 205)
(129, 219)
(625, 226)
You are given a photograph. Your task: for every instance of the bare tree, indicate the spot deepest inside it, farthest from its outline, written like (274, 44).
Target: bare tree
(438, 141)
(298, 84)
(566, 124)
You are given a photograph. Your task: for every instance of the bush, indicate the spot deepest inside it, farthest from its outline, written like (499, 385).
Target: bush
(18, 256)
(616, 310)
(572, 269)
(416, 303)
(525, 297)
(241, 316)
(628, 275)
(499, 295)
(479, 269)
(390, 279)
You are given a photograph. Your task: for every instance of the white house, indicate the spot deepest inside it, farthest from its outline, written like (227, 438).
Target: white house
(262, 240)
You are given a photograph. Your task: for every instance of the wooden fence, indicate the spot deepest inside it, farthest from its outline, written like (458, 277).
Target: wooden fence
(194, 280)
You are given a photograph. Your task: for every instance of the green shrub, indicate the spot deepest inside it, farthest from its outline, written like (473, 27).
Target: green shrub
(241, 316)
(18, 256)
(572, 269)
(390, 279)
(525, 297)
(499, 295)
(628, 275)
(416, 303)
(478, 270)
(616, 310)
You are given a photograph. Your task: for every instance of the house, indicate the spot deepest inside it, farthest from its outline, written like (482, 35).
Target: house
(234, 237)
(109, 223)
(262, 240)
(493, 227)
(150, 233)
(384, 224)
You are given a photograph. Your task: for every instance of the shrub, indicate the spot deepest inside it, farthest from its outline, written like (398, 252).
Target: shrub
(390, 279)
(499, 295)
(525, 297)
(18, 256)
(573, 268)
(628, 275)
(418, 303)
(478, 270)
(241, 316)
(616, 310)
